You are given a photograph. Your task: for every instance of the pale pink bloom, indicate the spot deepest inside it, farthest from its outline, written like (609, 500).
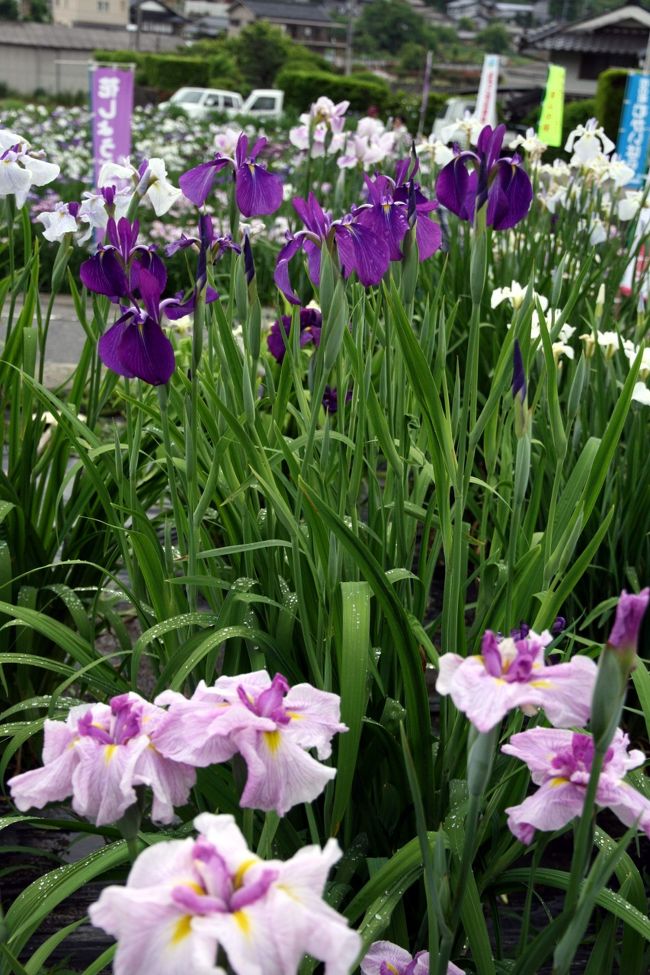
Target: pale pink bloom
(511, 673)
(184, 898)
(560, 763)
(270, 724)
(366, 150)
(386, 958)
(98, 755)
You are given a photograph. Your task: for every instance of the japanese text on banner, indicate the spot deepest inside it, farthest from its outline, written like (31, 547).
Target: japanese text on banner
(112, 107)
(634, 130)
(550, 123)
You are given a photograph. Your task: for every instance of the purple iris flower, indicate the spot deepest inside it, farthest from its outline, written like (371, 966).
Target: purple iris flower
(499, 181)
(394, 206)
(360, 248)
(331, 399)
(311, 322)
(136, 345)
(115, 269)
(257, 191)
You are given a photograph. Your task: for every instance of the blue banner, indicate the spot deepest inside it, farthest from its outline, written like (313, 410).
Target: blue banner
(634, 129)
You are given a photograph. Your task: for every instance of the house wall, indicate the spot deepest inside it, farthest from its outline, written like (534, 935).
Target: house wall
(103, 13)
(24, 69)
(574, 85)
(239, 17)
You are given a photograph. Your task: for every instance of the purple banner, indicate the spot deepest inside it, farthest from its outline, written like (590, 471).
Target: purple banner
(111, 104)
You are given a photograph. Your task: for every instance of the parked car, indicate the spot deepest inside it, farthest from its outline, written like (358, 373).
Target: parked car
(200, 102)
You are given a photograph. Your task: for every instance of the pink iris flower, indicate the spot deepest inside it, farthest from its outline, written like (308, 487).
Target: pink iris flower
(385, 958)
(98, 755)
(185, 898)
(560, 763)
(510, 672)
(271, 725)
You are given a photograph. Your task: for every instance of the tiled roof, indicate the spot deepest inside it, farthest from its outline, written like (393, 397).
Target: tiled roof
(632, 43)
(82, 38)
(314, 13)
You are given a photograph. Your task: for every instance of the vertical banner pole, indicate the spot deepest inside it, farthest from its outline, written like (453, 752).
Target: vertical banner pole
(550, 122)
(634, 128)
(426, 86)
(486, 101)
(111, 106)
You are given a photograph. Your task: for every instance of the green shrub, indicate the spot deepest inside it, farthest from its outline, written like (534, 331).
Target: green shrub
(125, 57)
(610, 92)
(302, 87)
(577, 113)
(170, 72)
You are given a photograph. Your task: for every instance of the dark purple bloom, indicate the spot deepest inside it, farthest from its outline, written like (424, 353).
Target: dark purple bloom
(115, 269)
(559, 625)
(360, 248)
(499, 181)
(518, 374)
(249, 263)
(136, 345)
(331, 399)
(395, 205)
(197, 183)
(311, 322)
(257, 191)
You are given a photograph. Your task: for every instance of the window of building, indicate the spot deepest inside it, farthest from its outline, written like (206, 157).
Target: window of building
(591, 65)
(103, 5)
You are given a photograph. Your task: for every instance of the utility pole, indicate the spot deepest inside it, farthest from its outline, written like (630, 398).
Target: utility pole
(350, 10)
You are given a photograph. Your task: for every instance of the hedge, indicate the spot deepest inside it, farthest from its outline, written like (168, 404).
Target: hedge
(610, 92)
(302, 87)
(170, 72)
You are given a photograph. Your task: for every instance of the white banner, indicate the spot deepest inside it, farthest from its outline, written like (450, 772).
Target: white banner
(486, 102)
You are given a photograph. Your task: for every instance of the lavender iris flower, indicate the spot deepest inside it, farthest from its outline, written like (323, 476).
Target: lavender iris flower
(395, 205)
(360, 248)
(311, 322)
(498, 181)
(257, 191)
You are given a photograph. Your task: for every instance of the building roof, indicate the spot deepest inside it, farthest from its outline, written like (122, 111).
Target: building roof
(300, 12)
(81, 38)
(157, 7)
(623, 30)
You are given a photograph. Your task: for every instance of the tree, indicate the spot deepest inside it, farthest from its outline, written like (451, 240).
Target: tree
(8, 10)
(260, 50)
(494, 38)
(386, 25)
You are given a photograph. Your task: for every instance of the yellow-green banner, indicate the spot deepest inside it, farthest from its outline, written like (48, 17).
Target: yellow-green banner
(550, 123)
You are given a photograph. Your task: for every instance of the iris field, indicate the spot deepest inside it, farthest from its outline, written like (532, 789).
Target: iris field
(323, 578)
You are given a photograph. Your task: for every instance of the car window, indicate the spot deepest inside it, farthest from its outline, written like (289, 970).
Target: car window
(228, 101)
(263, 103)
(212, 101)
(187, 97)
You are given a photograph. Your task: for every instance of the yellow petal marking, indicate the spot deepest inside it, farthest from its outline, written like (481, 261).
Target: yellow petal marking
(109, 753)
(545, 684)
(557, 782)
(238, 879)
(242, 922)
(272, 739)
(182, 928)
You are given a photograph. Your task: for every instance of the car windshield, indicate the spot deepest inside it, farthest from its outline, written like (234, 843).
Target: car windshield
(186, 96)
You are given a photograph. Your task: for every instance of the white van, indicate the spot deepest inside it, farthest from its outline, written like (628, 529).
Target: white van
(200, 102)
